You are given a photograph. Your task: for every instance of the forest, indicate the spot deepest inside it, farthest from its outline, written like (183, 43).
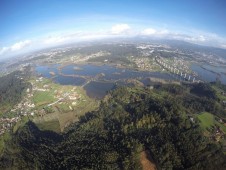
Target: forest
(12, 87)
(129, 120)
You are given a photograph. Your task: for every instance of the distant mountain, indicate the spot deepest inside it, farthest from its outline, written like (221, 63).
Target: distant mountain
(178, 44)
(189, 46)
(182, 45)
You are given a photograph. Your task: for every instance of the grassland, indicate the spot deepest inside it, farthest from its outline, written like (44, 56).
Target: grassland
(208, 120)
(52, 125)
(43, 97)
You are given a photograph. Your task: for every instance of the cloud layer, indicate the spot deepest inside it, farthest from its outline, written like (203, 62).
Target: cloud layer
(117, 30)
(148, 31)
(120, 28)
(15, 47)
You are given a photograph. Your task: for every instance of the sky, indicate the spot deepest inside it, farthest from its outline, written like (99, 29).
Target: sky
(27, 25)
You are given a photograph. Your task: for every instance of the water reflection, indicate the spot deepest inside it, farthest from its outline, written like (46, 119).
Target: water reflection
(210, 73)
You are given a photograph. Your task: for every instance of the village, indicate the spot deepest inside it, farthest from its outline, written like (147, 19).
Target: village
(34, 104)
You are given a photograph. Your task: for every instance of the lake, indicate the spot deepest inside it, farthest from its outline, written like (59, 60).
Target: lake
(210, 73)
(97, 80)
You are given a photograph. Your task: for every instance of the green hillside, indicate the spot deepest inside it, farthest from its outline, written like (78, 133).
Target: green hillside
(128, 121)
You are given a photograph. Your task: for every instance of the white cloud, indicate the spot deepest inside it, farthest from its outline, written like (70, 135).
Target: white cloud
(163, 32)
(72, 37)
(59, 38)
(20, 45)
(4, 50)
(148, 31)
(201, 38)
(223, 46)
(120, 28)
(15, 47)
(154, 32)
(194, 38)
(55, 39)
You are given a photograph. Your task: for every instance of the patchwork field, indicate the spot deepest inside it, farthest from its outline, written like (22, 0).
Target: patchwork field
(57, 106)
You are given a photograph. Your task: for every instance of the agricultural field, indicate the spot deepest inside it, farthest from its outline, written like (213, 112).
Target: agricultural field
(57, 106)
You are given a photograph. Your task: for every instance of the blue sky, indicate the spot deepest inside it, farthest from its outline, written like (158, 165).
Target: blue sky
(32, 24)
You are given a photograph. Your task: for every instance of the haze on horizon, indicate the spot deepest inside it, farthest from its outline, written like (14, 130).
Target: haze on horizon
(30, 25)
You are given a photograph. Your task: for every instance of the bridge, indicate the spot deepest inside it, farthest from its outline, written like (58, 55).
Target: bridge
(180, 74)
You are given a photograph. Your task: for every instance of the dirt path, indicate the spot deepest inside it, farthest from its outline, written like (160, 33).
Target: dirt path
(146, 161)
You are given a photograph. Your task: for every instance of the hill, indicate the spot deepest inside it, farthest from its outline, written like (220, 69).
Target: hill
(128, 123)
(12, 87)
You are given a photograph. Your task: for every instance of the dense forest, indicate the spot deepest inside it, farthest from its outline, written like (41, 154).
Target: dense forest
(129, 120)
(12, 87)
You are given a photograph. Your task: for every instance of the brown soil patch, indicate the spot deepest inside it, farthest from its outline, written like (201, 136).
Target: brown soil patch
(146, 161)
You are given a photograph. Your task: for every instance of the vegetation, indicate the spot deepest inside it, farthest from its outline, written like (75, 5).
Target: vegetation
(43, 97)
(12, 87)
(208, 120)
(52, 125)
(128, 122)
(60, 114)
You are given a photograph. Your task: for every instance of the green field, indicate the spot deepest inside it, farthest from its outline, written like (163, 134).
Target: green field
(57, 121)
(43, 97)
(52, 125)
(207, 120)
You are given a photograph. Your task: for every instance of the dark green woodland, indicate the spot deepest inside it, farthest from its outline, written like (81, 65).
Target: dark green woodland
(128, 121)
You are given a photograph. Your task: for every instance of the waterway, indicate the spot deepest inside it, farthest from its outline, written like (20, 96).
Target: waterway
(210, 73)
(97, 80)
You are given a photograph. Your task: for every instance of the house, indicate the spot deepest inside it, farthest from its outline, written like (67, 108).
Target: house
(224, 102)
(192, 119)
